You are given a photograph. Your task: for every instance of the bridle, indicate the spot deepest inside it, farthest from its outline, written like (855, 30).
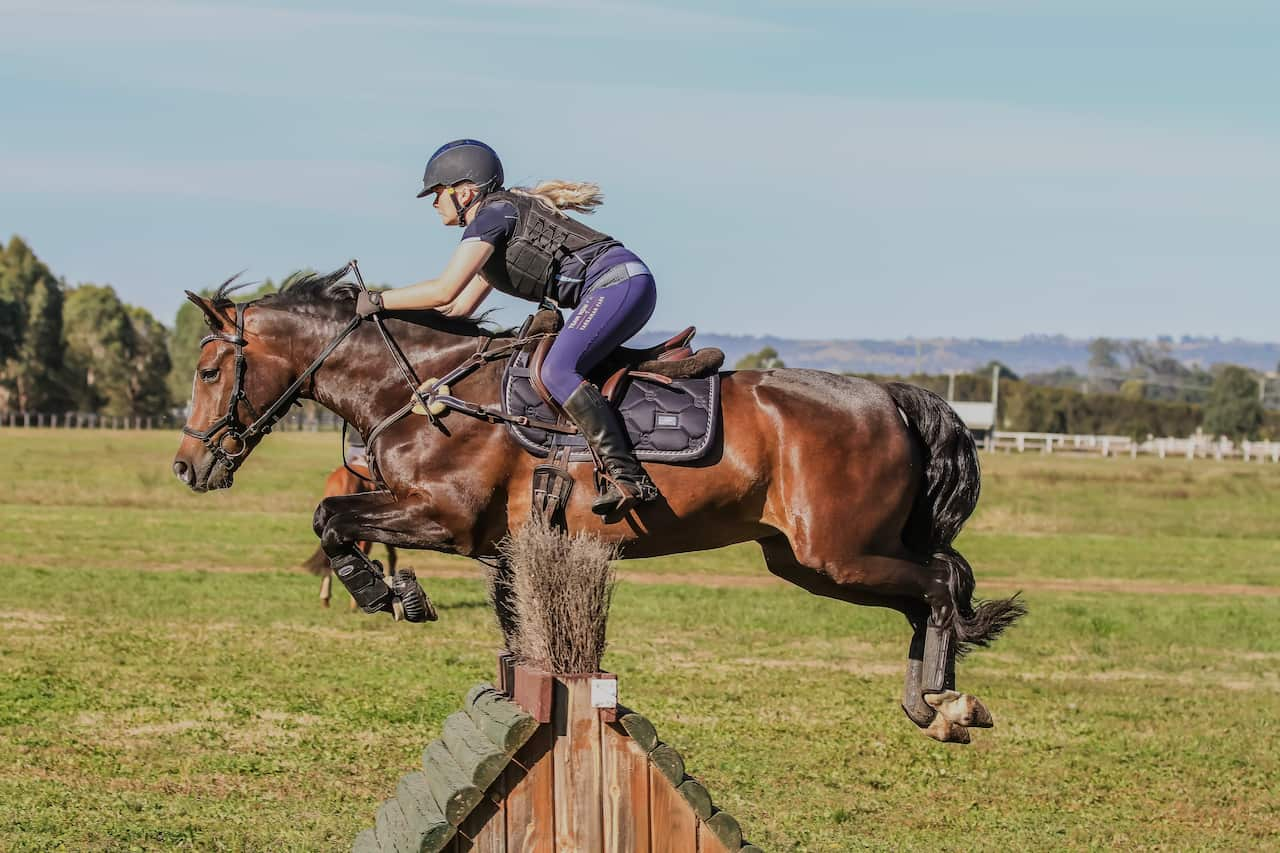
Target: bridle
(227, 438)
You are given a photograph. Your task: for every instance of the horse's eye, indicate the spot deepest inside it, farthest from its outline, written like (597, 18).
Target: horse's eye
(209, 375)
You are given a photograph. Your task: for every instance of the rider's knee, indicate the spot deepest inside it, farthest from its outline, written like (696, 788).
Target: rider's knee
(561, 380)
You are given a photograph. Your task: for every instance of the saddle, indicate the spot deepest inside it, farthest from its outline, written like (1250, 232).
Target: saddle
(667, 395)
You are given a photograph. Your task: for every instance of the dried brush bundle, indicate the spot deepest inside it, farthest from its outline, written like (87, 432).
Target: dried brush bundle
(559, 588)
(497, 578)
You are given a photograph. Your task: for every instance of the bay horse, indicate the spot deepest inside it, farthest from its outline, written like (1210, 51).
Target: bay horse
(345, 480)
(853, 489)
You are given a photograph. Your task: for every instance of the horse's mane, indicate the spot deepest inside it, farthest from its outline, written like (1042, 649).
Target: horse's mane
(329, 294)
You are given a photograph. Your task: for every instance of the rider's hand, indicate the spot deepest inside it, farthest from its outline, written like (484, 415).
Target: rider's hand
(368, 303)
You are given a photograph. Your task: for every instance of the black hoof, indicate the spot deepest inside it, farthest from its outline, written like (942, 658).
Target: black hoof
(417, 606)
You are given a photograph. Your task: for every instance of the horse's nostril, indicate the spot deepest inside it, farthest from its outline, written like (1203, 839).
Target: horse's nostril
(183, 472)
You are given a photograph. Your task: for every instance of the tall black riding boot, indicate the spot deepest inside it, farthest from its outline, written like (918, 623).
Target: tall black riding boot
(628, 483)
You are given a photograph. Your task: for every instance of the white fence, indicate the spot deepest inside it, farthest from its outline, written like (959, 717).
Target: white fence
(1195, 447)
(296, 421)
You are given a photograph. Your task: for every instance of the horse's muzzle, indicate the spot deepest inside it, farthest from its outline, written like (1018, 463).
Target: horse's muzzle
(202, 478)
(185, 473)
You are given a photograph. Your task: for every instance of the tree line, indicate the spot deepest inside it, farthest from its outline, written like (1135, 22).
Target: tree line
(80, 348)
(1133, 388)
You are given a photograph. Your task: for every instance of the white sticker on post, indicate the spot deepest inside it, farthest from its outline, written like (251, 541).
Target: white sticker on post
(604, 693)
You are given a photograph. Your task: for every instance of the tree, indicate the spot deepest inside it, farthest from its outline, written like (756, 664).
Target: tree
(1005, 371)
(1102, 354)
(765, 359)
(100, 349)
(31, 303)
(148, 391)
(1103, 364)
(1234, 409)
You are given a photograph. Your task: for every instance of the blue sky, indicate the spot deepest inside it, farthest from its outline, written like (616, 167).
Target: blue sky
(808, 169)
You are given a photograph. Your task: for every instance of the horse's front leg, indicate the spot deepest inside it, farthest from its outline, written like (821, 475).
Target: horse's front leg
(401, 595)
(343, 522)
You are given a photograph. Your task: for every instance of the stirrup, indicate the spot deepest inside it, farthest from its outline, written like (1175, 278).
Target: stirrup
(623, 494)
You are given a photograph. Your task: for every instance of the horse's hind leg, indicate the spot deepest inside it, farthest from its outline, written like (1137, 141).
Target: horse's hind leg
(326, 587)
(929, 695)
(913, 589)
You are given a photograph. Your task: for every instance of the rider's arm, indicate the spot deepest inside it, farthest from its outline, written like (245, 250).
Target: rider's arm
(466, 302)
(460, 273)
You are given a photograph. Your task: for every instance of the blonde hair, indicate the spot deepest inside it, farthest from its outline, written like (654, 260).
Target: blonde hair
(559, 196)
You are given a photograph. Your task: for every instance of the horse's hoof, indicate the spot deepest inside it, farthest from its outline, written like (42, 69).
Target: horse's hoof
(397, 610)
(961, 709)
(942, 729)
(412, 598)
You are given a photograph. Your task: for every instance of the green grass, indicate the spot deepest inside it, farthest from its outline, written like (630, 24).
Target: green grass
(151, 700)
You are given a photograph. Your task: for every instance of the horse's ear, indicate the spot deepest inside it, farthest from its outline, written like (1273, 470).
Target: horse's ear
(217, 321)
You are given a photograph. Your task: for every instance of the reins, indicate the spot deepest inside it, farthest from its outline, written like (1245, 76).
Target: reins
(229, 429)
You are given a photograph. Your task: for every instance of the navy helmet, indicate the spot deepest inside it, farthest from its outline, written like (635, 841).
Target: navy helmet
(462, 160)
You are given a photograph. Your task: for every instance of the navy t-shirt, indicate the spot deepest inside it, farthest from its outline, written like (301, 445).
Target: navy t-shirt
(495, 224)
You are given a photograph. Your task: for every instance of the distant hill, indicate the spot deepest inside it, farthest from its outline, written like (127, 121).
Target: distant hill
(1029, 354)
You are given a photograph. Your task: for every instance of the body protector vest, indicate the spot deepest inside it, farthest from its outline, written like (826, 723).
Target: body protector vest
(541, 242)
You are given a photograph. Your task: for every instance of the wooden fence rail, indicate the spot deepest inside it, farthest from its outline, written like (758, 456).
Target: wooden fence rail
(298, 421)
(1193, 447)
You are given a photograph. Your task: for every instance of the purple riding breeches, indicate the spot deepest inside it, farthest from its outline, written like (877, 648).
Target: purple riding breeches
(618, 300)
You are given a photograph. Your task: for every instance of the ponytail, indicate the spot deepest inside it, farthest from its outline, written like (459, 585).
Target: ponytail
(580, 196)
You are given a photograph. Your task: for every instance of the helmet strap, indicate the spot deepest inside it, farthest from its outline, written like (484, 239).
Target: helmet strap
(457, 205)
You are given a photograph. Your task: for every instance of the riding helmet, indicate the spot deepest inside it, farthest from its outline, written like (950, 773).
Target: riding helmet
(462, 160)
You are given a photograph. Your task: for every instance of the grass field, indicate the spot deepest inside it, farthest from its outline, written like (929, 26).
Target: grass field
(168, 681)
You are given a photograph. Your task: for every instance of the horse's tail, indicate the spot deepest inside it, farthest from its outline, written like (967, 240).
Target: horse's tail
(952, 481)
(317, 563)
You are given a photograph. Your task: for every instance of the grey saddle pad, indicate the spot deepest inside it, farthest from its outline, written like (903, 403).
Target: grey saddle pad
(667, 423)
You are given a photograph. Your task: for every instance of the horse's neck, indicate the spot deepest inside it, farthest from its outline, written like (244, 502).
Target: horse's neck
(360, 380)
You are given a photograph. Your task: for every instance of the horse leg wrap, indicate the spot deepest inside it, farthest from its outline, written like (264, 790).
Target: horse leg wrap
(939, 670)
(917, 710)
(931, 668)
(363, 579)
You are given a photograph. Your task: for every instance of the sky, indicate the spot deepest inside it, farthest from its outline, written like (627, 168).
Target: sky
(811, 169)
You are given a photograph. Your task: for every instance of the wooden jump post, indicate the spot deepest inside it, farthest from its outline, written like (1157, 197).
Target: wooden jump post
(548, 762)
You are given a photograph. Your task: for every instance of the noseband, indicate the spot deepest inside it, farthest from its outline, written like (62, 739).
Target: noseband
(227, 438)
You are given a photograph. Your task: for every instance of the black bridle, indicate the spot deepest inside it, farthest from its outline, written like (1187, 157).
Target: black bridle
(228, 437)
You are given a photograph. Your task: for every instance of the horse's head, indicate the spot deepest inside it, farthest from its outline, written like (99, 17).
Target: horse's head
(237, 376)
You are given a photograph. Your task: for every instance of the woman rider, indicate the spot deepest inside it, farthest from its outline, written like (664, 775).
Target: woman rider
(520, 242)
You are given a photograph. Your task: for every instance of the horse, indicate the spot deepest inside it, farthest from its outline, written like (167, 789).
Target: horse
(345, 481)
(853, 489)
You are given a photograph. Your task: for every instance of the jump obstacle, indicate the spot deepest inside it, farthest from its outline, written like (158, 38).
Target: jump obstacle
(548, 762)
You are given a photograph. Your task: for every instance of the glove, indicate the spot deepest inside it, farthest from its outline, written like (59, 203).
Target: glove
(368, 303)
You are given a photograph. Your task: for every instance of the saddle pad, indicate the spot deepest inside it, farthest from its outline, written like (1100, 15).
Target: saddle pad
(667, 423)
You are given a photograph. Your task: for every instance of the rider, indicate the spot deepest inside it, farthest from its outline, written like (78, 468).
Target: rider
(520, 242)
